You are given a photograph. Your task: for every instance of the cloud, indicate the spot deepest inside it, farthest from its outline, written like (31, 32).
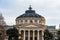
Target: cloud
(50, 9)
(10, 20)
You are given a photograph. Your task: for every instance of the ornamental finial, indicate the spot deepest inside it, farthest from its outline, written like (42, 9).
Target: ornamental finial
(30, 7)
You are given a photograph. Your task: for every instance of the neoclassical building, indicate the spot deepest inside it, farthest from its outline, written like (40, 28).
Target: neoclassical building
(31, 25)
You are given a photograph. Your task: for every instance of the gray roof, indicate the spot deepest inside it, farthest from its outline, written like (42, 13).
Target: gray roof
(51, 27)
(8, 27)
(30, 13)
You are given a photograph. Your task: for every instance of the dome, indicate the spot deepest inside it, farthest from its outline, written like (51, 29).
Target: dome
(30, 13)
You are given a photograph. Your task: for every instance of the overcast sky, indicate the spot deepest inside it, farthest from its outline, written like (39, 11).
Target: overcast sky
(50, 9)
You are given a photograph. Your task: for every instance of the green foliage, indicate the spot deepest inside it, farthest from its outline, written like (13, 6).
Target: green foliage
(58, 33)
(48, 35)
(12, 34)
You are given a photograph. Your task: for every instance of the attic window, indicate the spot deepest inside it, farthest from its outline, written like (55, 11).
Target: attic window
(31, 21)
(25, 20)
(35, 20)
(21, 20)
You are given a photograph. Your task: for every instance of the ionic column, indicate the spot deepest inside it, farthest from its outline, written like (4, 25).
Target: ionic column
(38, 35)
(28, 34)
(20, 34)
(33, 35)
(42, 35)
(24, 35)
(19, 31)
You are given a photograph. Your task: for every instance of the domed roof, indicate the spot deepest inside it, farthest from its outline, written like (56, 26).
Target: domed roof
(29, 13)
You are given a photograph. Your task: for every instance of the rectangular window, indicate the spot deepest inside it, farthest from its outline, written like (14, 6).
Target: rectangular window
(21, 20)
(31, 21)
(35, 20)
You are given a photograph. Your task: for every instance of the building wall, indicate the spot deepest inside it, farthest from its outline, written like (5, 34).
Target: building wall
(2, 33)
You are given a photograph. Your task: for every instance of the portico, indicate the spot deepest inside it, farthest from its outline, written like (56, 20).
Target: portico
(31, 34)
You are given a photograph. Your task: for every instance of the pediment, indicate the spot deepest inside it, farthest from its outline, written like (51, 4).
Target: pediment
(31, 26)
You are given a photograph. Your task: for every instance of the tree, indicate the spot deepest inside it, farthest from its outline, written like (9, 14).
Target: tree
(58, 34)
(9, 33)
(48, 35)
(12, 34)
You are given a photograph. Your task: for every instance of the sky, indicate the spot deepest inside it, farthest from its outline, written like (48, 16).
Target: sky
(50, 9)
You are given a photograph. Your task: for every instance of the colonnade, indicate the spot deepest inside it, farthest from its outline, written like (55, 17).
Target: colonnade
(39, 35)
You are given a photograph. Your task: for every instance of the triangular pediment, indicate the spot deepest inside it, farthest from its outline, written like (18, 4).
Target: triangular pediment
(31, 26)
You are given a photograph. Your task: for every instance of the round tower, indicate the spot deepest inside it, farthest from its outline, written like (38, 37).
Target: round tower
(30, 25)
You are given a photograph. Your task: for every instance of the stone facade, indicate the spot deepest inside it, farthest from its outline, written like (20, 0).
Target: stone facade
(31, 26)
